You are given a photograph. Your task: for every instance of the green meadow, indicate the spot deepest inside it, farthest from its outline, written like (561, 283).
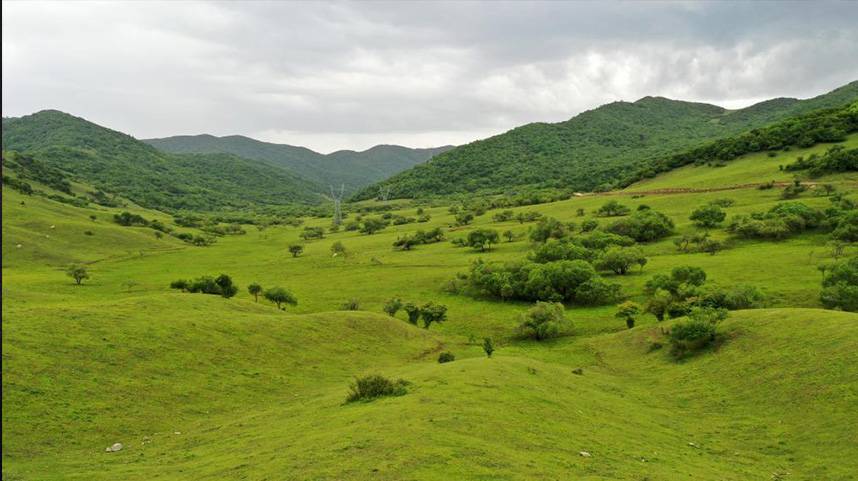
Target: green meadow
(201, 387)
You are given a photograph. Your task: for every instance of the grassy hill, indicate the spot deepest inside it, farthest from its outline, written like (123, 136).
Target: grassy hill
(118, 163)
(347, 167)
(202, 387)
(594, 149)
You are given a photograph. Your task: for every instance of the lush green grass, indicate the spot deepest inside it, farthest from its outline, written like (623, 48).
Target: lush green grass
(257, 393)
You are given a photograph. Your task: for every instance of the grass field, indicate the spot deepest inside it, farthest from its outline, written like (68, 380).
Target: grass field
(200, 387)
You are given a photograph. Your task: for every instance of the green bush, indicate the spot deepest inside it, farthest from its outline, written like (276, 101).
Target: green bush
(446, 357)
(840, 286)
(643, 226)
(374, 386)
(544, 320)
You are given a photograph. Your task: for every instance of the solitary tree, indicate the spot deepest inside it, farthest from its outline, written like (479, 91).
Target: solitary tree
(413, 312)
(628, 311)
(620, 260)
(488, 346)
(78, 273)
(280, 296)
(296, 249)
(371, 226)
(544, 320)
(254, 289)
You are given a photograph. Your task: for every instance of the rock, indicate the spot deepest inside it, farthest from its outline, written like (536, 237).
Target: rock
(693, 445)
(114, 448)
(579, 371)
(177, 432)
(585, 454)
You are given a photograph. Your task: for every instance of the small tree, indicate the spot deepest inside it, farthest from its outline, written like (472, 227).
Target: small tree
(296, 250)
(509, 235)
(488, 346)
(372, 225)
(628, 311)
(180, 284)
(620, 260)
(432, 312)
(280, 296)
(78, 273)
(708, 216)
(544, 320)
(612, 208)
(464, 218)
(338, 249)
(254, 289)
(446, 357)
(482, 239)
(659, 304)
(392, 306)
(351, 305)
(413, 312)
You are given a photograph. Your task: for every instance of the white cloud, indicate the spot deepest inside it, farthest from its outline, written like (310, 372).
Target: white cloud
(351, 75)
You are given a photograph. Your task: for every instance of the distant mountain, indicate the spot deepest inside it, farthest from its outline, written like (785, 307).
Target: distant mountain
(119, 163)
(596, 148)
(350, 168)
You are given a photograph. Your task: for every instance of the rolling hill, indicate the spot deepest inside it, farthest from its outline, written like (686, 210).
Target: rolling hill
(592, 150)
(118, 163)
(349, 168)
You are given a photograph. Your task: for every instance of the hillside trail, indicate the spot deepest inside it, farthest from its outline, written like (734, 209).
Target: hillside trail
(691, 190)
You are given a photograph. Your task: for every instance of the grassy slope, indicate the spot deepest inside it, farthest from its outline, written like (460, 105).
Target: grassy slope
(256, 393)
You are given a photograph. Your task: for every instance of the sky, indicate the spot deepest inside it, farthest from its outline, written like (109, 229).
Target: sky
(339, 75)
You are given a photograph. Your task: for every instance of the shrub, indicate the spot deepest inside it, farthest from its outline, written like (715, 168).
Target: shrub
(338, 249)
(350, 305)
(708, 216)
(643, 226)
(413, 312)
(620, 259)
(392, 306)
(280, 296)
(589, 225)
(464, 218)
(628, 311)
(547, 228)
(180, 284)
(296, 250)
(503, 216)
(254, 289)
(372, 387)
(509, 235)
(432, 313)
(840, 286)
(446, 357)
(531, 216)
(544, 320)
(372, 225)
(488, 346)
(312, 233)
(482, 239)
(612, 208)
(129, 219)
(78, 273)
(558, 250)
(691, 335)
(601, 240)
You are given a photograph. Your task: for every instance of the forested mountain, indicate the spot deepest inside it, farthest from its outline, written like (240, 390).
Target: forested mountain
(347, 167)
(118, 163)
(595, 149)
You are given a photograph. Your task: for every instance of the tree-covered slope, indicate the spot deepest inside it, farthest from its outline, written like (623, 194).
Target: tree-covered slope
(593, 149)
(346, 167)
(118, 163)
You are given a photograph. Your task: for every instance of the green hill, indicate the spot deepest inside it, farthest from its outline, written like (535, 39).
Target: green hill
(346, 167)
(594, 149)
(120, 164)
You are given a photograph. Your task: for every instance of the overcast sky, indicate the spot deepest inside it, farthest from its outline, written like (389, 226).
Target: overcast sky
(351, 75)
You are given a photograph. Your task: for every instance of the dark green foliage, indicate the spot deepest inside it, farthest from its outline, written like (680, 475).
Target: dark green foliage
(372, 387)
(560, 250)
(254, 289)
(28, 168)
(432, 313)
(129, 219)
(840, 286)
(350, 305)
(312, 233)
(180, 284)
(392, 306)
(846, 226)
(612, 208)
(482, 239)
(781, 221)
(544, 320)
(407, 242)
(445, 357)
(338, 249)
(78, 273)
(708, 216)
(220, 286)
(836, 159)
(488, 346)
(372, 225)
(530, 216)
(464, 218)
(509, 235)
(413, 312)
(117, 163)
(620, 259)
(589, 225)
(280, 296)
(643, 226)
(628, 311)
(738, 296)
(593, 149)
(681, 282)
(296, 250)
(562, 281)
(547, 228)
(503, 216)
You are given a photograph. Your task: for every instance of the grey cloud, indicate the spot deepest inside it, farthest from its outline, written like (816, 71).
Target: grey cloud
(351, 75)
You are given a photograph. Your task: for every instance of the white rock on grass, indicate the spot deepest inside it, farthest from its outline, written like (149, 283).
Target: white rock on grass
(585, 454)
(114, 448)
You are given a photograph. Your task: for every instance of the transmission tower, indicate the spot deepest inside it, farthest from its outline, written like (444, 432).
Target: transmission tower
(337, 197)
